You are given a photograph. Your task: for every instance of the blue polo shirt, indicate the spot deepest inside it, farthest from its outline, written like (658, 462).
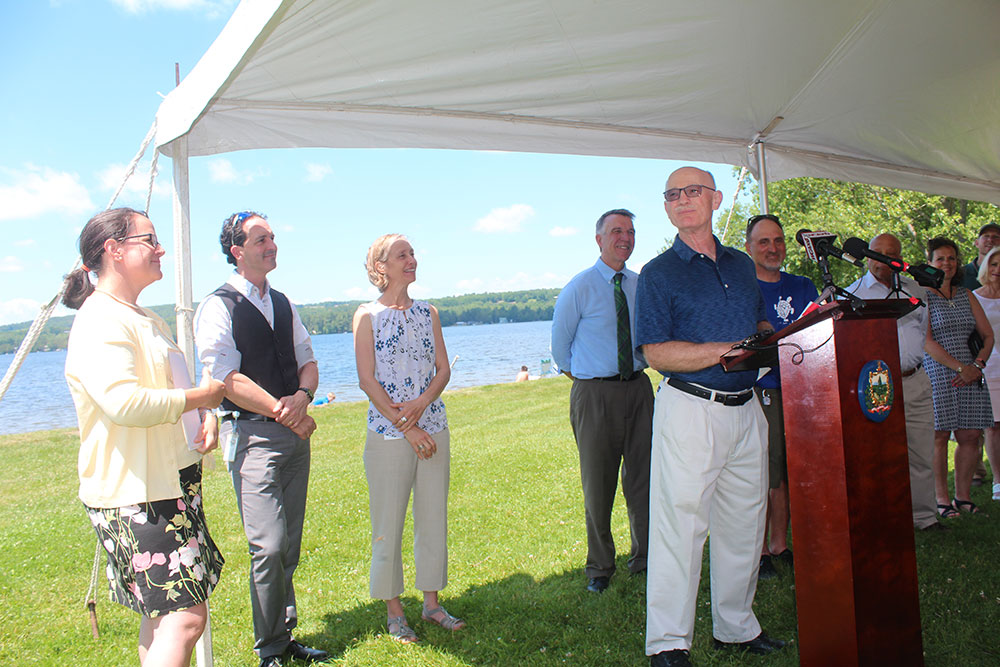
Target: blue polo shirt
(683, 295)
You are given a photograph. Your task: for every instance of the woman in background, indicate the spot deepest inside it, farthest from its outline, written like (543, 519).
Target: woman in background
(989, 299)
(961, 401)
(403, 368)
(140, 480)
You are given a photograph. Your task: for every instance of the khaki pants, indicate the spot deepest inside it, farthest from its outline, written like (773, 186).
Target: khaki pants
(394, 471)
(708, 473)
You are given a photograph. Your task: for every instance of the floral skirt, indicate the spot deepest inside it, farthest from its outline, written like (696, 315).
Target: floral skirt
(160, 555)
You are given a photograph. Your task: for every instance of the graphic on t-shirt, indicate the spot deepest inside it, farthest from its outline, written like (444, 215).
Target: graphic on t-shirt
(784, 309)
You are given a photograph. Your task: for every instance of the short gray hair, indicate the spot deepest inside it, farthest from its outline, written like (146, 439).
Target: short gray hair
(618, 211)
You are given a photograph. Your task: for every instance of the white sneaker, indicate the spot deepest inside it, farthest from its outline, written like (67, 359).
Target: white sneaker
(996, 490)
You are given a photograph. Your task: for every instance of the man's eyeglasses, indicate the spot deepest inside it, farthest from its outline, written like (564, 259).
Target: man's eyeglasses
(753, 220)
(241, 217)
(149, 239)
(692, 191)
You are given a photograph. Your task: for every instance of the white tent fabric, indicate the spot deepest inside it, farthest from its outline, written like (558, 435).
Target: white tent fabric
(900, 93)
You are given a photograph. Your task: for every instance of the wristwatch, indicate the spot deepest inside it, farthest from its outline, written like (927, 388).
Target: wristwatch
(308, 393)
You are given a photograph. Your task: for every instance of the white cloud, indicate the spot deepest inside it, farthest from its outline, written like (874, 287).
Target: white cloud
(469, 285)
(368, 292)
(504, 219)
(211, 8)
(18, 310)
(286, 228)
(10, 264)
(562, 231)
(34, 191)
(23, 243)
(222, 170)
(419, 291)
(316, 172)
(137, 185)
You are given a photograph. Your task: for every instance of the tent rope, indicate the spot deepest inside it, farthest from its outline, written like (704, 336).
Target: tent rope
(91, 600)
(35, 330)
(739, 185)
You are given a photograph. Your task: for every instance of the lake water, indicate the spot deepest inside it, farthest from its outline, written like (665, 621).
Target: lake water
(487, 354)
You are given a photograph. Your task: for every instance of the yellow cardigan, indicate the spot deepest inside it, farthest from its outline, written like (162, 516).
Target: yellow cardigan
(132, 444)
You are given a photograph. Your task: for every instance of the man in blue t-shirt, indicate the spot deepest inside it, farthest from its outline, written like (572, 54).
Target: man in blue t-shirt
(785, 297)
(708, 464)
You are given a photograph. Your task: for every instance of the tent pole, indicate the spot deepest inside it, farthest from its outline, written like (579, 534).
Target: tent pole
(182, 250)
(762, 177)
(185, 317)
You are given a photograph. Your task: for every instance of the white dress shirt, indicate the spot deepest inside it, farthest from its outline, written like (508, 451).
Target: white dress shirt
(213, 329)
(912, 327)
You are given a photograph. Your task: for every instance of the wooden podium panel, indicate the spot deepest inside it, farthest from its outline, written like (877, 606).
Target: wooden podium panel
(855, 568)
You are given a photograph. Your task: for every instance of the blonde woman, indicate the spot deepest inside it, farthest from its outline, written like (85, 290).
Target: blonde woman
(989, 298)
(403, 368)
(140, 481)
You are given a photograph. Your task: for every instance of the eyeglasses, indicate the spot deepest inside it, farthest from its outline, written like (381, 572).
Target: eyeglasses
(692, 191)
(753, 220)
(149, 239)
(241, 217)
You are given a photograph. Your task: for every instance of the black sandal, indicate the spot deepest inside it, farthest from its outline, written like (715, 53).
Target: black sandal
(947, 511)
(959, 504)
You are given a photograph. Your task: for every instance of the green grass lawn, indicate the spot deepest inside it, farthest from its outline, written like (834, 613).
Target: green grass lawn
(517, 547)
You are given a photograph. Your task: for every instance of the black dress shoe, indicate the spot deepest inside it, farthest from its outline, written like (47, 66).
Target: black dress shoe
(676, 658)
(761, 645)
(785, 557)
(767, 570)
(598, 584)
(270, 661)
(302, 652)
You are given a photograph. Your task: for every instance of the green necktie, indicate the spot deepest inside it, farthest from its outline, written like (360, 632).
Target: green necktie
(624, 330)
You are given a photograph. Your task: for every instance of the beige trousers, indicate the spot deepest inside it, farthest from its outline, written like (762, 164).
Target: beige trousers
(708, 473)
(394, 471)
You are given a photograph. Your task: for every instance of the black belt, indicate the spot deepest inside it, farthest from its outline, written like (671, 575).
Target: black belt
(250, 417)
(618, 378)
(719, 397)
(913, 370)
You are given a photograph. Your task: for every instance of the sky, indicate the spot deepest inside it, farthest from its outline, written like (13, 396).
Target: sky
(81, 85)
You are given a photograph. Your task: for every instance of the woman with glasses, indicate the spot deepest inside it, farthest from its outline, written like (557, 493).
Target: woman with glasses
(403, 368)
(141, 438)
(961, 400)
(989, 299)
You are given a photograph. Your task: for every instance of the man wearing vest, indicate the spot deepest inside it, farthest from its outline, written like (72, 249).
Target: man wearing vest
(250, 337)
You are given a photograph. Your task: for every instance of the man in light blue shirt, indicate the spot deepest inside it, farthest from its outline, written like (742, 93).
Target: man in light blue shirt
(611, 402)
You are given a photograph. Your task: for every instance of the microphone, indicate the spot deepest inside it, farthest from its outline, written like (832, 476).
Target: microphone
(821, 243)
(924, 274)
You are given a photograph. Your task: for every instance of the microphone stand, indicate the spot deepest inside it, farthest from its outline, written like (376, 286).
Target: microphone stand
(831, 290)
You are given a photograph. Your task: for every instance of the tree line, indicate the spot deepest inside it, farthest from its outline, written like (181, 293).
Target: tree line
(335, 316)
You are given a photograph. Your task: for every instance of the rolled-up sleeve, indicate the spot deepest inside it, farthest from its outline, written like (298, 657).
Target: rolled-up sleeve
(301, 340)
(213, 334)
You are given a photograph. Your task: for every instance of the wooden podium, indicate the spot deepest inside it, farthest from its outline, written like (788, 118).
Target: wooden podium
(849, 489)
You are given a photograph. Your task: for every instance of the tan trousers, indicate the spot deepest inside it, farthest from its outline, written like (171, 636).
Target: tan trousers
(708, 473)
(918, 403)
(394, 471)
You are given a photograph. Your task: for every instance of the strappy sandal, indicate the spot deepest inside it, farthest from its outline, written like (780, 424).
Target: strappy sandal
(400, 631)
(960, 504)
(947, 511)
(449, 622)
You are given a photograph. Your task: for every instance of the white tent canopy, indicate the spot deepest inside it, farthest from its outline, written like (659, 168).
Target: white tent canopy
(900, 93)
(892, 92)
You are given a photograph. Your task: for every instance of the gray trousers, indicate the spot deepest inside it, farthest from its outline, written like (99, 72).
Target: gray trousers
(612, 423)
(270, 474)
